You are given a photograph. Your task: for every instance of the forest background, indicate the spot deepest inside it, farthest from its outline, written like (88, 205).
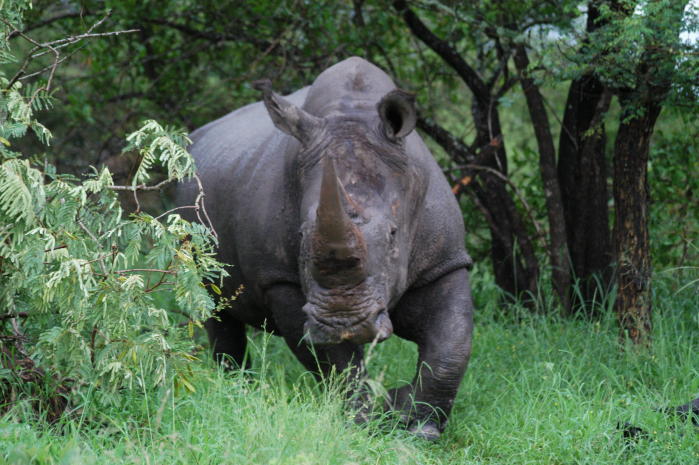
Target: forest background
(567, 128)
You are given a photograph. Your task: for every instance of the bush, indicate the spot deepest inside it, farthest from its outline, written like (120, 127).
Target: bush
(90, 296)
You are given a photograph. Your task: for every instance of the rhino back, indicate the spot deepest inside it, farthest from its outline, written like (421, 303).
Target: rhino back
(351, 86)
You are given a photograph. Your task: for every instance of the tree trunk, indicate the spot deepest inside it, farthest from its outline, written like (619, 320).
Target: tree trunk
(515, 265)
(582, 175)
(633, 302)
(641, 106)
(558, 247)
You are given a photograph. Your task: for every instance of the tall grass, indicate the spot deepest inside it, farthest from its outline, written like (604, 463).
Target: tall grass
(540, 389)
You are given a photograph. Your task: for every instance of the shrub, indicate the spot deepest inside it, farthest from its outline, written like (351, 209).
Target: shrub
(90, 296)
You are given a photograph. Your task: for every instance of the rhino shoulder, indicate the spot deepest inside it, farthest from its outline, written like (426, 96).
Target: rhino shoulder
(439, 246)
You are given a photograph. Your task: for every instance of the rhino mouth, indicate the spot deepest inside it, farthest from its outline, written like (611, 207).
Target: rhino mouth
(338, 315)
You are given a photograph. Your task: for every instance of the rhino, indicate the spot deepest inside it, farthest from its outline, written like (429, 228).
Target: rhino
(343, 231)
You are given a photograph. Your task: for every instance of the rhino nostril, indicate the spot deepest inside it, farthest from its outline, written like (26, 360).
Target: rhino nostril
(383, 325)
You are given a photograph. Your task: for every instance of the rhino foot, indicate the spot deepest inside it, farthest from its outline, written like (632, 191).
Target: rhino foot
(427, 431)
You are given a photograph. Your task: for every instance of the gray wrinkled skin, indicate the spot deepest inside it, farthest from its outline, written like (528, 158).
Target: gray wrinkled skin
(343, 230)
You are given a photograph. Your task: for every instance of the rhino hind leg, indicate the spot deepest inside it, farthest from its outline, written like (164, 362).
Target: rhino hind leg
(228, 341)
(443, 336)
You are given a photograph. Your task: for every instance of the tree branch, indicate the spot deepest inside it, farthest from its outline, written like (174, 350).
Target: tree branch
(141, 187)
(465, 181)
(444, 50)
(558, 250)
(208, 36)
(456, 149)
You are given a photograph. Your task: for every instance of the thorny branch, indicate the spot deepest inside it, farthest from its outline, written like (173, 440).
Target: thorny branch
(13, 353)
(94, 238)
(200, 206)
(28, 58)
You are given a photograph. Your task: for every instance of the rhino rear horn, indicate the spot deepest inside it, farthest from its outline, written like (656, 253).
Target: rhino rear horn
(286, 116)
(397, 112)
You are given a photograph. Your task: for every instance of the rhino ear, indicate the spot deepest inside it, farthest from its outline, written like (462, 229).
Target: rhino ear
(397, 112)
(286, 116)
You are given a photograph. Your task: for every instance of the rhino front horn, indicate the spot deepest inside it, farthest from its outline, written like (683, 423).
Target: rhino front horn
(338, 247)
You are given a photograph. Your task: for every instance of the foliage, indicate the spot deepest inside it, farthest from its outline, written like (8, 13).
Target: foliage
(188, 62)
(674, 209)
(642, 47)
(82, 284)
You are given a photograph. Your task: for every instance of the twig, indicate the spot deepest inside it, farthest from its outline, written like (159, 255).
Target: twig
(52, 47)
(145, 270)
(154, 288)
(89, 233)
(42, 70)
(62, 246)
(37, 46)
(61, 43)
(199, 203)
(46, 22)
(160, 282)
(174, 210)
(141, 187)
(94, 238)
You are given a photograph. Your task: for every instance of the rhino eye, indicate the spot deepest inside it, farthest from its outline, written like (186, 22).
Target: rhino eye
(393, 232)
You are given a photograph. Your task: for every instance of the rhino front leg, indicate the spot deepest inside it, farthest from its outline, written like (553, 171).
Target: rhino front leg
(439, 318)
(227, 338)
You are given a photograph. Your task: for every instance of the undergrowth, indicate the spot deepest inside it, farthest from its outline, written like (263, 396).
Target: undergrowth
(539, 389)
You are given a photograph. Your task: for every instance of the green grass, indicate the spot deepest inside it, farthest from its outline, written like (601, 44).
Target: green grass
(539, 390)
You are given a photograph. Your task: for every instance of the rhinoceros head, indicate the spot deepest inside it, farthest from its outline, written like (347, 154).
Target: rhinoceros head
(356, 191)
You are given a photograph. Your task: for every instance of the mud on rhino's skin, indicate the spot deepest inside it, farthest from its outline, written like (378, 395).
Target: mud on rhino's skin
(342, 229)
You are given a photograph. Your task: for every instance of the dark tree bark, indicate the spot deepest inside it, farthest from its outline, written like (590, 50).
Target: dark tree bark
(633, 302)
(582, 176)
(558, 247)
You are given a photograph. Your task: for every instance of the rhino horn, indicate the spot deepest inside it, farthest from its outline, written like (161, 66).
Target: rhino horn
(338, 246)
